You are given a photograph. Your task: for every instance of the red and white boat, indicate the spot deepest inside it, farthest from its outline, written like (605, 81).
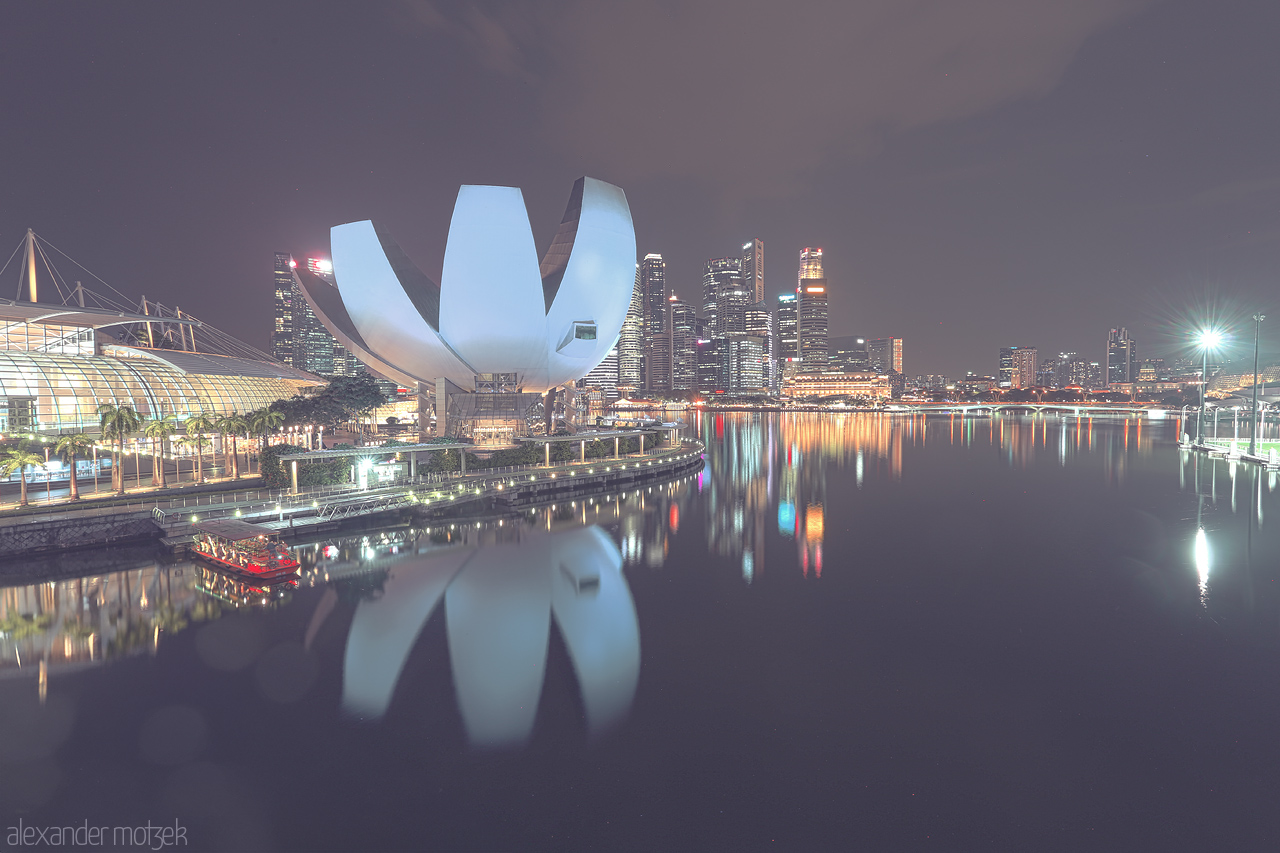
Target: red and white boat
(245, 550)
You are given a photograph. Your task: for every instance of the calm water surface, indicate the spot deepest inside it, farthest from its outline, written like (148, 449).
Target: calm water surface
(847, 632)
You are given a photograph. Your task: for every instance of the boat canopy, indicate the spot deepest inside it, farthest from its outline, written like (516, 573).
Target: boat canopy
(233, 530)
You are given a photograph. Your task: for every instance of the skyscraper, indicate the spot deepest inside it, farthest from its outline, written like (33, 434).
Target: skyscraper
(684, 345)
(753, 269)
(284, 304)
(1122, 361)
(604, 376)
(718, 274)
(631, 342)
(732, 301)
(1018, 367)
(812, 311)
(884, 354)
(785, 328)
(657, 323)
(313, 346)
(849, 353)
(759, 322)
(810, 265)
(299, 338)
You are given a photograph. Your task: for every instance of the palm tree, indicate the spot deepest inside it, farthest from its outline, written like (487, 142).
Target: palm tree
(262, 422)
(158, 430)
(232, 425)
(199, 442)
(116, 422)
(197, 425)
(69, 447)
(18, 459)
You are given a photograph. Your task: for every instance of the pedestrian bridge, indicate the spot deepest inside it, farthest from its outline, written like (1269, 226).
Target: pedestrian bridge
(1072, 409)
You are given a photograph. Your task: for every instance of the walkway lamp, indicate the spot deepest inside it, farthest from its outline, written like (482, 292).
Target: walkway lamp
(1207, 340)
(1253, 424)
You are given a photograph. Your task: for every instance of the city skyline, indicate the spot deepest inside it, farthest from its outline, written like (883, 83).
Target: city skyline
(1034, 173)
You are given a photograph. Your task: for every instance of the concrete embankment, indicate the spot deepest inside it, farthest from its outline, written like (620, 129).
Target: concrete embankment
(72, 529)
(50, 533)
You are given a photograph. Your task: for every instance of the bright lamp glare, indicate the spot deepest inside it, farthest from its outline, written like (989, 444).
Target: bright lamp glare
(1210, 338)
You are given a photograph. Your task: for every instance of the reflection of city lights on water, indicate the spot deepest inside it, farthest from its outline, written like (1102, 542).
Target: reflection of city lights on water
(1202, 560)
(748, 566)
(813, 522)
(786, 518)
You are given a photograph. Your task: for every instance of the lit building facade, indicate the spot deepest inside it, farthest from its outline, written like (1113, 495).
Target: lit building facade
(884, 354)
(849, 353)
(811, 320)
(759, 322)
(786, 328)
(1018, 367)
(719, 274)
(684, 345)
(1122, 359)
(64, 365)
(874, 387)
(631, 343)
(657, 323)
(753, 269)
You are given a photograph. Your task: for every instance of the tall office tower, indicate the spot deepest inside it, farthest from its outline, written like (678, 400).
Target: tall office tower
(1122, 361)
(657, 323)
(759, 322)
(1004, 372)
(684, 346)
(884, 354)
(785, 323)
(811, 323)
(732, 301)
(631, 342)
(285, 302)
(1018, 367)
(849, 353)
(753, 269)
(810, 265)
(718, 274)
(604, 376)
(313, 346)
(1025, 362)
(710, 365)
(744, 363)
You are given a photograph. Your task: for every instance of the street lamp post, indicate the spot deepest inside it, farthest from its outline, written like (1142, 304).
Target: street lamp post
(1207, 339)
(1253, 426)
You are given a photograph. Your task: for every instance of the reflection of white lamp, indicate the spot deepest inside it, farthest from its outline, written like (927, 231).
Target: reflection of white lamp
(1202, 559)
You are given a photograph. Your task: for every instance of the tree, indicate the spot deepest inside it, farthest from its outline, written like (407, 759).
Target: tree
(262, 422)
(116, 422)
(69, 447)
(199, 442)
(197, 425)
(232, 425)
(159, 430)
(17, 459)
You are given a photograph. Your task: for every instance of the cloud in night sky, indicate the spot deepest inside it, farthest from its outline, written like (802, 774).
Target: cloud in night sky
(755, 95)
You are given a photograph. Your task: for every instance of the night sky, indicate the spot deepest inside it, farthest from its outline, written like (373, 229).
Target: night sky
(978, 174)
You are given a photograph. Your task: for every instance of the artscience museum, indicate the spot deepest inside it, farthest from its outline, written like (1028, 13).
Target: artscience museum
(490, 343)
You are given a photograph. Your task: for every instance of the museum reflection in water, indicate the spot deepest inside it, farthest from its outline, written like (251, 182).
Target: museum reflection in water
(499, 584)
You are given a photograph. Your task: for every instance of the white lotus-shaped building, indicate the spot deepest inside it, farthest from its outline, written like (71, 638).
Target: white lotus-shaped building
(497, 311)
